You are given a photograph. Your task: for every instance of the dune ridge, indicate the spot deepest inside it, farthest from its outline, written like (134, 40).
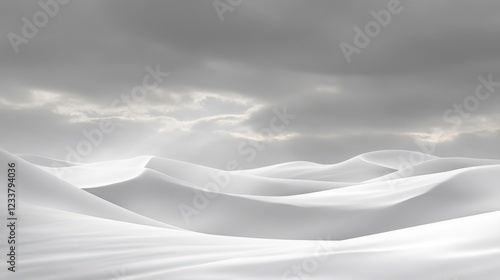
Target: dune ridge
(369, 216)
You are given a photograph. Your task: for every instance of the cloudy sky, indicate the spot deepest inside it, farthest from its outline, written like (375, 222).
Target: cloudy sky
(233, 64)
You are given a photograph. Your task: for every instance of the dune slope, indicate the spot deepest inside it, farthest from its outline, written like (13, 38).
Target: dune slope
(154, 218)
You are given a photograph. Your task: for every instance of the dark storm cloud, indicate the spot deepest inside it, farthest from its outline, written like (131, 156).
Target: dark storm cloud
(227, 76)
(382, 104)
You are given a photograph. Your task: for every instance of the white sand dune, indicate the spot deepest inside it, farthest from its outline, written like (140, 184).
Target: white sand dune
(40, 188)
(122, 219)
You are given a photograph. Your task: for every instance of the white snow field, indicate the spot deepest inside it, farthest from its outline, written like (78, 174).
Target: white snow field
(386, 215)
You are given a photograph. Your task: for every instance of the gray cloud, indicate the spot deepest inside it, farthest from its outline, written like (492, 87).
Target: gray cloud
(227, 76)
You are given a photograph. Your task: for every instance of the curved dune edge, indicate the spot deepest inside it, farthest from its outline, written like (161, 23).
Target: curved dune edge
(121, 220)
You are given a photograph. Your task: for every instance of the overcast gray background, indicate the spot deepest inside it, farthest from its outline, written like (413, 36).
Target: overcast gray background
(226, 76)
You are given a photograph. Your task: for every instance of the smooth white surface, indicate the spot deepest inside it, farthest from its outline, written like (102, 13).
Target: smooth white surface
(121, 220)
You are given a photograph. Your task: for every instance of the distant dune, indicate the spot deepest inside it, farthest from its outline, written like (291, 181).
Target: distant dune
(372, 217)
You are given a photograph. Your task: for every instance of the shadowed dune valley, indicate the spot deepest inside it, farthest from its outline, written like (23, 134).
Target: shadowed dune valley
(249, 140)
(155, 218)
